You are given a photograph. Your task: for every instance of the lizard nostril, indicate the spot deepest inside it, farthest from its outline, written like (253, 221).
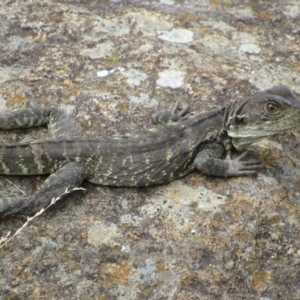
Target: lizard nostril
(241, 120)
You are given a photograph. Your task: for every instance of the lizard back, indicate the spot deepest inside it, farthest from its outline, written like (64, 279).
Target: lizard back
(155, 155)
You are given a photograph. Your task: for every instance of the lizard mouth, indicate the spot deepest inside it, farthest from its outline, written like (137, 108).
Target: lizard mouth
(241, 143)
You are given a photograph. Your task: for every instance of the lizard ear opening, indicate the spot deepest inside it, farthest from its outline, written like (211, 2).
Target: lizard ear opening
(237, 121)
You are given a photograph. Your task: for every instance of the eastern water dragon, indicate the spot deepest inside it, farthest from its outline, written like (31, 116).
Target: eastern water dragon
(179, 144)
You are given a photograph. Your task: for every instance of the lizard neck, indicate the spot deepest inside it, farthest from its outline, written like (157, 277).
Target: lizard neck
(234, 113)
(208, 127)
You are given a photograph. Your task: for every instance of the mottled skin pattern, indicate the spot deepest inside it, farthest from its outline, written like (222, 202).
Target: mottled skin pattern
(174, 147)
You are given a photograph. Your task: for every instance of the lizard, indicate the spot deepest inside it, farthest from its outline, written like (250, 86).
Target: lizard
(176, 144)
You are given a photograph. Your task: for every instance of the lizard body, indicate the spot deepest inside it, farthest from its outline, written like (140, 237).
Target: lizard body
(176, 146)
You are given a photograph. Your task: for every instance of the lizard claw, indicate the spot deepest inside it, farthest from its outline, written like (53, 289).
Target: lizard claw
(182, 112)
(237, 167)
(165, 116)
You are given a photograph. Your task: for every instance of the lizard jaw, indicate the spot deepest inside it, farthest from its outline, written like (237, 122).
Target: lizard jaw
(241, 144)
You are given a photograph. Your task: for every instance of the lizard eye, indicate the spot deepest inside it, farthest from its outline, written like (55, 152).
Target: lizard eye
(272, 108)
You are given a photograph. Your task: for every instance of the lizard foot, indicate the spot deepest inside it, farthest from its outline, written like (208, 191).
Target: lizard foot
(237, 167)
(166, 116)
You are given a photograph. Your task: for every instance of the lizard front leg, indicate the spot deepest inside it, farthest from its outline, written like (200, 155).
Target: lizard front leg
(67, 177)
(208, 162)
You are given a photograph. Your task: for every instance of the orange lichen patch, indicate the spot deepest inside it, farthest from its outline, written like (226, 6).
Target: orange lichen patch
(240, 202)
(42, 37)
(71, 90)
(270, 218)
(161, 266)
(146, 290)
(242, 235)
(175, 196)
(296, 67)
(36, 293)
(67, 81)
(16, 99)
(124, 107)
(116, 273)
(188, 278)
(268, 151)
(218, 2)
(260, 279)
(181, 296)
(265, 16)
(79, 79)
(149, 65)
(189, 17)
(239, 198)
(137, 94)
(193, 180)
(214, 2)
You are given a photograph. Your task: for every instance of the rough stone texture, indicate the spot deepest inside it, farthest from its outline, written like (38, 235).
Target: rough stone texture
(112, 64)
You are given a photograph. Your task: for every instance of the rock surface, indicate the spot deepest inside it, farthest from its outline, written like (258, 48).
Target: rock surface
(112, 64)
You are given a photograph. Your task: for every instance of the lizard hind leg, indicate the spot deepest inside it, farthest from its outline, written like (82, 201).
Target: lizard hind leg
(58, 122)
(165, 116)
(67, 177)
(61, 125)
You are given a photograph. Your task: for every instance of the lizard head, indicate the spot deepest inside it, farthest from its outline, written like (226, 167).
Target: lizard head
(267, 113)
